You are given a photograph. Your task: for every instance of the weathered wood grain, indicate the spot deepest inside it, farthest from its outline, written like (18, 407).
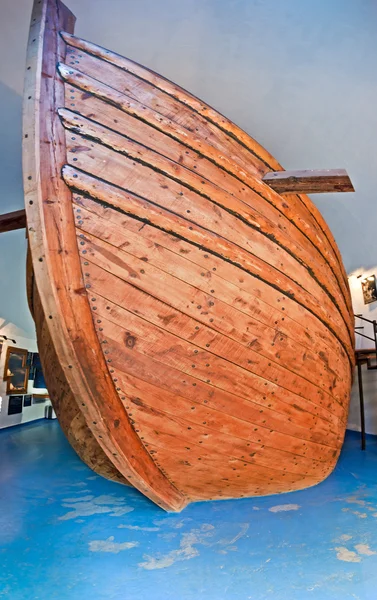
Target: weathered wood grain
(13, 220)
(239, 289)
(57, 267)
(309, 181)
(291, 206)
(206, 239)
(251, 207)
(269, 342)
(194, 324)
(71, 419)
(259, 155)
(260, 239)
(136, 79)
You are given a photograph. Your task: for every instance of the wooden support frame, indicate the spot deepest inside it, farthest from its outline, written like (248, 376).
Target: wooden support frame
(309, 181)
(13, 220)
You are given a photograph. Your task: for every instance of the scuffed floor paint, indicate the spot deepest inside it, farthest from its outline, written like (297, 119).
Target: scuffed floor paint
(66, 534)
(89, 505)
(284, 507)
(110, 546)
(187, 549)
(364, 549)
(343, 553)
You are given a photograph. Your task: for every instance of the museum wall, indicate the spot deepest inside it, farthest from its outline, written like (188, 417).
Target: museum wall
(29, 413)
(369, 311)
(298, 76)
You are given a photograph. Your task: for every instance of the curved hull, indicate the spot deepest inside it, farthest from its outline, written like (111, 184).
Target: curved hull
(195, 326)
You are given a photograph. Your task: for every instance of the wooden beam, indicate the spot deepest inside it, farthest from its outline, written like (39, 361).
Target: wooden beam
(13, 220)
(309, 181)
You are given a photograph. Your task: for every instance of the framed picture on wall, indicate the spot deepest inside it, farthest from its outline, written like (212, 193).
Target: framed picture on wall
(16, 371)
(39, 380)
(15, 405)
(27, 400)
(369, 287)
(39, 398)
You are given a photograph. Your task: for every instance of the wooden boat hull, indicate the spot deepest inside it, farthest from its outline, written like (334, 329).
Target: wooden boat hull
(195, 327)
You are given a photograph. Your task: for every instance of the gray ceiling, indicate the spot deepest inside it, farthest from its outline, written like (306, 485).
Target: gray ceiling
(299, 76)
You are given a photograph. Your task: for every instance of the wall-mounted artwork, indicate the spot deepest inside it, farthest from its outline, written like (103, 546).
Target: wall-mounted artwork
(15, 405)
(369, 286)
(27, 400)
(29, 362)
(39, 398)
(16, 371)
(39, 380)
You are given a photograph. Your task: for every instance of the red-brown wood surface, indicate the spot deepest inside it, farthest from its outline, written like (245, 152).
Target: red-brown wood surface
(56, 264)
(309, 181)
(201, 322)
(12, 221)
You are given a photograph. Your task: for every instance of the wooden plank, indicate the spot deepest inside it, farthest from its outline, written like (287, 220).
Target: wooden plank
(163, 104)
(239, 289)
(244, 429)
(170, 222)
(262, 157)
(309, 181)
(147, 370)
(211, 373)
(190, 432)
(207, 479)
(144, 77)
(246, 235)
(250, 207)
(70, 417)
(253, 461)
(272, 343)
(13, 220)
(57, 266)
(291, 208)
(271, 377)
(221, 411)
(191, 139)
(207, 366)
(330, 240)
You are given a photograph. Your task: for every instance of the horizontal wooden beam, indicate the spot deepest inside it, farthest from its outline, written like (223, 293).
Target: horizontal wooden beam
(309, 181)
(12, 221)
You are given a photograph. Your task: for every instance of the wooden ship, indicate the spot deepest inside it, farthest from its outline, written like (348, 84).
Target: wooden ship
(192, 310)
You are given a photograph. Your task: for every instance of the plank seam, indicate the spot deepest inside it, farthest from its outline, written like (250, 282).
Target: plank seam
(204, 116)
(233, 213)
(213, 252)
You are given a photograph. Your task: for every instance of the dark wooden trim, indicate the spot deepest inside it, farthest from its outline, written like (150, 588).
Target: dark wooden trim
(309, 181)
(13, 220)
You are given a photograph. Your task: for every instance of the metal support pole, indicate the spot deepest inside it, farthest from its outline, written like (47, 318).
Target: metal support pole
(361, 394)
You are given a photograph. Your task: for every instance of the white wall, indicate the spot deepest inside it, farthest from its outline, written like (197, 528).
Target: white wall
(298, 75)
(369, 311)
(29, 413)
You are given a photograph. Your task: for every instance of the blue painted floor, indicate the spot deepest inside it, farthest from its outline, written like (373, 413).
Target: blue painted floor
(68, 534)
